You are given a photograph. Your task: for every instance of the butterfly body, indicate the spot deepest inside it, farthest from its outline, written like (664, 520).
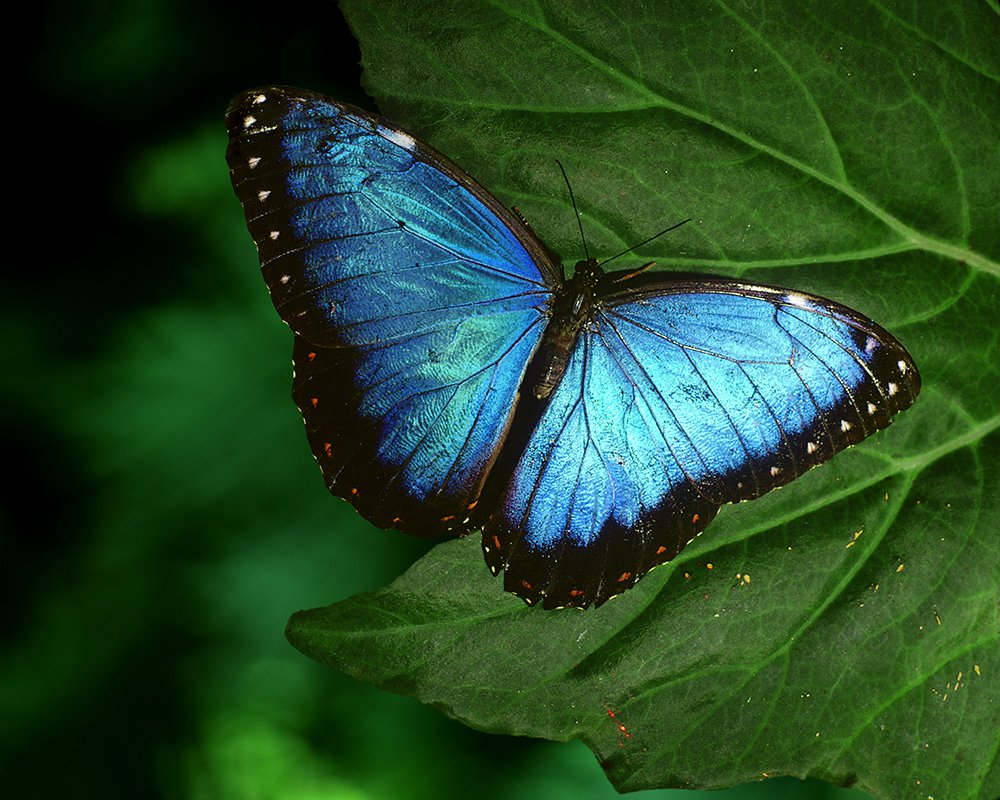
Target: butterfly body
(572, 309)
(452, 380)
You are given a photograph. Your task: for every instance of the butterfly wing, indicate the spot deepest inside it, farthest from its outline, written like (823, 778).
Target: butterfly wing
(678, 398)
(415, 298)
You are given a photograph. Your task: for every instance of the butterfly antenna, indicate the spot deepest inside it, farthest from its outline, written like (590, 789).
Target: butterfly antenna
(576, 211)
(647, 241)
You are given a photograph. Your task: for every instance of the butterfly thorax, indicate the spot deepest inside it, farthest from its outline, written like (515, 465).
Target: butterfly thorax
(571, 309)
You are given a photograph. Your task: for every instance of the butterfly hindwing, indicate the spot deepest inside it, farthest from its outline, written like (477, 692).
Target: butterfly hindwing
(597, 498)
(416, 301)
(680, 397)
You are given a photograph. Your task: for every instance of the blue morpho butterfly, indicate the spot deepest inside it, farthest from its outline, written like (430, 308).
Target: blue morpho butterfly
(452, 380)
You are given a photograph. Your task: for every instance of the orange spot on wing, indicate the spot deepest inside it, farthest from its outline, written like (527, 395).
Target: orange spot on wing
(695, 519)
(328, 449)
(661, 550)
(449, 518)
(624, 577)
(311, 356)
(314, 401)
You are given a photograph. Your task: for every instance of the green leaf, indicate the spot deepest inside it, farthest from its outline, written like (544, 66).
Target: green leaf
(846, 627)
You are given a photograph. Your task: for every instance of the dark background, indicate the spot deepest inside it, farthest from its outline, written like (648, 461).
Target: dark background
(161, 516)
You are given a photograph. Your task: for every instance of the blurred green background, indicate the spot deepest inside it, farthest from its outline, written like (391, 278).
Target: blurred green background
(161, 514)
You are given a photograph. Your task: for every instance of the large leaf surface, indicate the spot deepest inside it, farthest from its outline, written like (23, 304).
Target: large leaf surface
(846, 627)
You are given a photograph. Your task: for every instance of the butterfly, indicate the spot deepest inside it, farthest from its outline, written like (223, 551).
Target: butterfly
(452, 379)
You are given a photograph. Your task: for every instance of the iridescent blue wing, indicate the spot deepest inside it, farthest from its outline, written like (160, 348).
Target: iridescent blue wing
(416, 301)
(680, 397)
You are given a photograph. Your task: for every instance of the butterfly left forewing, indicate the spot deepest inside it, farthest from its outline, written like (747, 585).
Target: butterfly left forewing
(416, 301)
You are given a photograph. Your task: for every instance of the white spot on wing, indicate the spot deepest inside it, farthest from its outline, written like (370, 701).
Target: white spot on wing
(903, 366)
(253, 161)
(811, 448)
(399, 138)
(775, 472)
(260, 98)
(284, 278)
(249, 120)
(263, 194)
(274, 235)
(845, 426)
(799, 300)
(871, 409)
(870, 344)
(892, 389)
